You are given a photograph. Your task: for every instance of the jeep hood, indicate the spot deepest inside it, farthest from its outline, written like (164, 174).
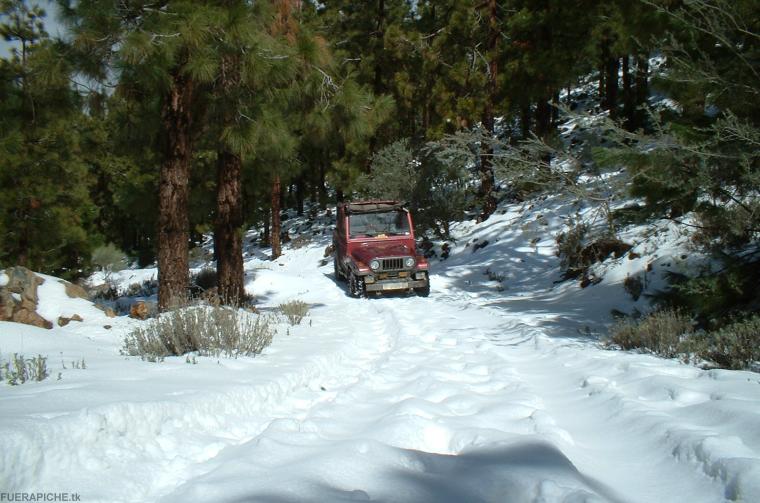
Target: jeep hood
(365, 252)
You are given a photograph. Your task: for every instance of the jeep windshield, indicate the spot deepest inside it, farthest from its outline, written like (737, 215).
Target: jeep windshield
(389, 223)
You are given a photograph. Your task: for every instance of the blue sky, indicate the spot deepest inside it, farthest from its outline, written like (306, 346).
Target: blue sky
(52, 25)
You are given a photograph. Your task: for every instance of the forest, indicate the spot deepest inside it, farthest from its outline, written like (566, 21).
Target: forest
(152, 123)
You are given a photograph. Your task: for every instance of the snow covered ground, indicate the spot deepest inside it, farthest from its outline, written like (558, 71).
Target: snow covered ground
(487, 390)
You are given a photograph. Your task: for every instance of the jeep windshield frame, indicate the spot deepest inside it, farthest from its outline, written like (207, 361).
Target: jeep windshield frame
(393, 222)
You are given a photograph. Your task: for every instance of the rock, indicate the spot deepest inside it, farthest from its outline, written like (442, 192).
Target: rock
(75, 291)
(480, 245)
(105, 291)
(28, 317)
(63, 321)
(600, 249)
(139, 310)
(107, 327)
(110, 313)
(18, 298)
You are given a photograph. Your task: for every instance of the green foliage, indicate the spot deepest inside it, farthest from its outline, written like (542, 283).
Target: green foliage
(205, 279)
(46, 211)
(435, 190)
(109, 258)
(394, 174)
(716, 296)
(208, 330)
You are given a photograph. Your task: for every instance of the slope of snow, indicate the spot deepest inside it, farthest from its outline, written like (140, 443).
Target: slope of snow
(485, 391)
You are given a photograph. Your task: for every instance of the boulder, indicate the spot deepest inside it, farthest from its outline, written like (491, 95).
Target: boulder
(18, 298)
(63, 321)
(139, 310)
(75, 291)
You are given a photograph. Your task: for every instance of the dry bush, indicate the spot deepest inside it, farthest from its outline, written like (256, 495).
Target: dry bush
(207, 330)
(661, 332)
(295, 311)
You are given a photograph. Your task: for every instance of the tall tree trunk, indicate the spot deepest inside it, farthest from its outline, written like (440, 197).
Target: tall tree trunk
(377, 84)
(228, 226)
(487, 181)
(629, 106)
(611, 94)
(642, 87)
(228, 229)
(300, 194)
(322, 184)
(173, 190)
(276, 220)
(379, 48)
(267, 222)
(555, 110)
(525, 119)
(543, 117)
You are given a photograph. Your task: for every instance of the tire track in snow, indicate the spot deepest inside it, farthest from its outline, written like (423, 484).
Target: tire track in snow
(438, 418)
(578, 384)
(138, 451)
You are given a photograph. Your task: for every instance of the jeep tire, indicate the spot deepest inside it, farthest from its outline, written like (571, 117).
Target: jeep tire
(336, 268)
(423, 291)
(356, 286)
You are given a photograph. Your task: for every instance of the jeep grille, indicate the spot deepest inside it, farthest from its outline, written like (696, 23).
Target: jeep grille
(392, 264)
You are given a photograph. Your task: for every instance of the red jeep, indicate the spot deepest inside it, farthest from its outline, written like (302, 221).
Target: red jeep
(375, 249)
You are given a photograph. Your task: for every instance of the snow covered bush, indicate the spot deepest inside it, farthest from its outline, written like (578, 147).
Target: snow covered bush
(207, 330)
(20, 370)
(660, 332)
(294, 311)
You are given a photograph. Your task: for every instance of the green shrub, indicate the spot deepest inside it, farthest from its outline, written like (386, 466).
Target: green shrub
(661, 332)
(434, 185)
(207, 330)
(294, 311)
(109, 258)
(716, 297)
(735, 346)
(205, 279)
(20, 370)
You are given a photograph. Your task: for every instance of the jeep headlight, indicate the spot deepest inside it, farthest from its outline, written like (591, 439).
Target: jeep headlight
(409, 262)
(374, 265)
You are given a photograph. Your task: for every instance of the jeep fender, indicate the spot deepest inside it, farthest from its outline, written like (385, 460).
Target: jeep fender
(356, 267)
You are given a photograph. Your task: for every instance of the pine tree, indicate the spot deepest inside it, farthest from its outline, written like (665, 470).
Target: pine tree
(251, 65)
(166, 51)
(46, 213)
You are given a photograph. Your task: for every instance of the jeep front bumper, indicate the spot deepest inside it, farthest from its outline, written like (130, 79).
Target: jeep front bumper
(390, 284)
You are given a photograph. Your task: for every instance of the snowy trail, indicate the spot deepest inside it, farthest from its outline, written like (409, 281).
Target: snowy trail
(397, 399)
(462, 409)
